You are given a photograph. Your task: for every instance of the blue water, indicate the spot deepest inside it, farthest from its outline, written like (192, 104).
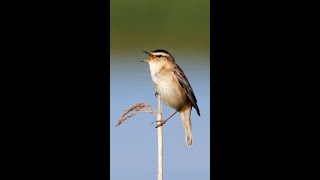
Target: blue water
(133, 145)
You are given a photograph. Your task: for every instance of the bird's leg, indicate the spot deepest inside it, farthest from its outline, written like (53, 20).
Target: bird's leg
(162, 123)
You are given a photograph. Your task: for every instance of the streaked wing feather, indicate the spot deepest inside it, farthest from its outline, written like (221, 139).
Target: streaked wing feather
(183, 81)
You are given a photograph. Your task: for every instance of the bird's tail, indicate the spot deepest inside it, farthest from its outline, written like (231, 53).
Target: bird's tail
(186, 120)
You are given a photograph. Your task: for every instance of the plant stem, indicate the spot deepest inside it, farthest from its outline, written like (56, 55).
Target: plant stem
(160, 139)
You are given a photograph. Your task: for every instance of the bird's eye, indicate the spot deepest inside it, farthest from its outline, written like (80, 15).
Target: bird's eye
(159, 56)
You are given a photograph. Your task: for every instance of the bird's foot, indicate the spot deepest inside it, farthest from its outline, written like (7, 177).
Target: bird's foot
(161, 123)
(156, 121)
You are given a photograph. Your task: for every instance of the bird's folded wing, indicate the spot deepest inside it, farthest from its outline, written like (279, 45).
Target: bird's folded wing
(183, 81)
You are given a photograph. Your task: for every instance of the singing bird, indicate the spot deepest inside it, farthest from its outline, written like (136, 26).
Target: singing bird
(173, 87)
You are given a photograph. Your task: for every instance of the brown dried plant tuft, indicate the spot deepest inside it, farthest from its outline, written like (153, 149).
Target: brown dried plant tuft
(138, 108)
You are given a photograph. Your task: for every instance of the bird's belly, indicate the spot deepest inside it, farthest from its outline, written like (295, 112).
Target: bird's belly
(171, 92)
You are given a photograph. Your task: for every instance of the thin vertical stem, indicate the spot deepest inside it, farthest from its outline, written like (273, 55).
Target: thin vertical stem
(160, 139)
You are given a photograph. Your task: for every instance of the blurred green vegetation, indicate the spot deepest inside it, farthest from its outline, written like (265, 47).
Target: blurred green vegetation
(149, 24)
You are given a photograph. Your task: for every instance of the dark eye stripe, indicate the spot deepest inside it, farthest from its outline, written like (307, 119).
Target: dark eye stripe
(159, 56)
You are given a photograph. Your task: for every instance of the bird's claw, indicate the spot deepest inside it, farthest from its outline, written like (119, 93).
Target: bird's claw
(156, 121)
(160, 124)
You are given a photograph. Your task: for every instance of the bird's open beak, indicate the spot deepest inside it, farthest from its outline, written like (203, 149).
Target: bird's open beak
(151, 57)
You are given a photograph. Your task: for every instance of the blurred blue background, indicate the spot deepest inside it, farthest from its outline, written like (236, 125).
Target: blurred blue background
(182, 28)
